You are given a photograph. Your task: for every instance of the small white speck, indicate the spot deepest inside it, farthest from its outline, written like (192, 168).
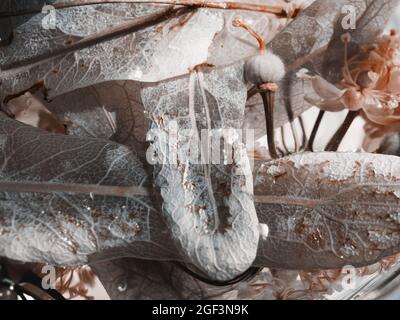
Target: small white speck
(393, 104)
(122, 287)
(137, 73)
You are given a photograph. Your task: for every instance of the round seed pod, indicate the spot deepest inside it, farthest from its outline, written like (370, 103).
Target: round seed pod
(263, 68)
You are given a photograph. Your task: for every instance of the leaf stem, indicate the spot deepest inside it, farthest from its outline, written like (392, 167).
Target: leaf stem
(278, 10)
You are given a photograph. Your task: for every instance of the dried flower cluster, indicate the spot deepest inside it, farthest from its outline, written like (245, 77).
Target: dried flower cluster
(370, 85)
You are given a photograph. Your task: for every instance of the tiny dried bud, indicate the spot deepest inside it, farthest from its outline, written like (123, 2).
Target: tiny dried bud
(264, 68)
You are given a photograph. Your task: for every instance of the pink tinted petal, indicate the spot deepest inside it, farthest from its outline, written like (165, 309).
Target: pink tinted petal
(326, 105)
(325, 89)
(394, 82)
(352, 100)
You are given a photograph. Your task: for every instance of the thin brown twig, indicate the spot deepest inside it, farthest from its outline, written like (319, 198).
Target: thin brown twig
(334, 143)
(303, 133)
(47, 187)
(310, 144)
(97, 38)
(268, 100)
(239, 24)
(278, 10)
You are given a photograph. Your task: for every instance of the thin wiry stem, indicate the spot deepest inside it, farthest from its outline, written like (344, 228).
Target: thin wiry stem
(334, 144)
(303, 133)
(239, 24)
(246, 276)
(278, 10)
(268, 99)
(100, 37)
(310, 144)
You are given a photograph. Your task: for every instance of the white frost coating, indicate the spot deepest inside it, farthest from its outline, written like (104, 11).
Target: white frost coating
(328, 210)
(208, 207)
(222, 255)
(46, 246)
(276, 170)
(177, 53)
(337, 169)
(265, 67)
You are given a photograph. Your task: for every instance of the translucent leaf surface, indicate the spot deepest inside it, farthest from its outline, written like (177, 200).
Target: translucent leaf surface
(64, 199)
(327, 210)
(162, 51)
(207, 202)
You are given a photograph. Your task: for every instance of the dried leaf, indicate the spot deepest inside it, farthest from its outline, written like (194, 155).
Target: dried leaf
(163, 51)
(64, 199)
(30, 110)
(111, 110)
(207, 201)
(327, 210)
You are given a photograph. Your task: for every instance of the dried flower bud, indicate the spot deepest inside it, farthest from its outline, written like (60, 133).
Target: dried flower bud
(265, 67)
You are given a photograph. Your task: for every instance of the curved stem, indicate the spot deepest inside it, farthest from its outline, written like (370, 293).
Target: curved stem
(246, 276)
(334, 143)
(303, 133)
(310, 144)
(239, 24)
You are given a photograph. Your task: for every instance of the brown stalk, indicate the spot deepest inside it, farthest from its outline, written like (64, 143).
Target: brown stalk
(310, 144)
(268, 98)
(46, 187)
(280, 11)
(292, 67)
(336, 140)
